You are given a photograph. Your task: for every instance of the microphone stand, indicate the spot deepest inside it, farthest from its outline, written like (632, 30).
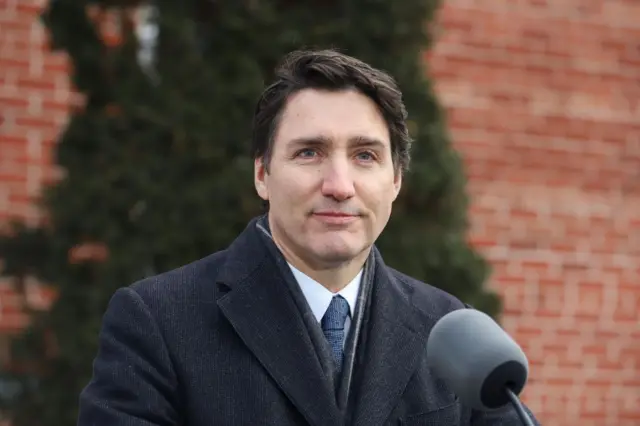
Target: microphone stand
(524, 417)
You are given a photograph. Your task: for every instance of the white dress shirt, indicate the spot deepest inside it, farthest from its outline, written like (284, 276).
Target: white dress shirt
(319, 297)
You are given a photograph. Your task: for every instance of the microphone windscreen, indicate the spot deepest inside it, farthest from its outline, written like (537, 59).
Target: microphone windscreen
(476, 358)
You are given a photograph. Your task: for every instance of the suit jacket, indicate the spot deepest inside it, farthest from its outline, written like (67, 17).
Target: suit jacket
(219, 343)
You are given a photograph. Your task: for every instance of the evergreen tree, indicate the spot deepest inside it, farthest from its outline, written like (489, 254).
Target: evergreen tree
(157, 166)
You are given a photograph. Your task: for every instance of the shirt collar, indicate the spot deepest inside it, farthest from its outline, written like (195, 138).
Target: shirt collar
(319, 297)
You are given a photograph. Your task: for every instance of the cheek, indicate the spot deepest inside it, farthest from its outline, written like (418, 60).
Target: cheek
(378, 197)
(289, 192)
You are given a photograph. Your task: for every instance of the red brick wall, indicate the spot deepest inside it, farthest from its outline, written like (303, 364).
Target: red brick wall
(544, 104)
(34, 103)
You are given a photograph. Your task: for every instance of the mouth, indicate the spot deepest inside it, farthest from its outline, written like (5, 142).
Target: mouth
(334, 218)
(333, 214)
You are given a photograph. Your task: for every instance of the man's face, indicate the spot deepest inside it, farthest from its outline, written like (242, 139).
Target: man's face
(331, 179)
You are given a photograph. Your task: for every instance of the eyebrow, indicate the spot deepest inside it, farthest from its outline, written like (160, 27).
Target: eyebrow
(358, 141)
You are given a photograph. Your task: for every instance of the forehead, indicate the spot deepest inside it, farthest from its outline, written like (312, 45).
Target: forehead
(337, 117)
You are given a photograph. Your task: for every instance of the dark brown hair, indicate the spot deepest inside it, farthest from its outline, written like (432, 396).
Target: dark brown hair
(330, 70)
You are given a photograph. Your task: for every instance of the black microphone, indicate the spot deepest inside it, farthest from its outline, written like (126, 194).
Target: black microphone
(479, 361)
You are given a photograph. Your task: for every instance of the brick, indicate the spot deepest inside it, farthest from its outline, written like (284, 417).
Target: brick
(28, 122)
(43, 84)
(29, 9)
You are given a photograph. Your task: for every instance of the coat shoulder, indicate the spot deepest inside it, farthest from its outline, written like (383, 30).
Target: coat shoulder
(430, 300)
(179, 286)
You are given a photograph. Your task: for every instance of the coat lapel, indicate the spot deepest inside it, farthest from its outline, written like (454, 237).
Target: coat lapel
(262, 311)
(396, 340)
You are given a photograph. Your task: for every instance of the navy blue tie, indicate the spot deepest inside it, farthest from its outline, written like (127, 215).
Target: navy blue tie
(333, 327)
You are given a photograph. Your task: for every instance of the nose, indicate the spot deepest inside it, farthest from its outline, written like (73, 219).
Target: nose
(337, 181)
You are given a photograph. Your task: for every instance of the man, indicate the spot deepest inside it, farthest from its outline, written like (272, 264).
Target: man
(298, 322)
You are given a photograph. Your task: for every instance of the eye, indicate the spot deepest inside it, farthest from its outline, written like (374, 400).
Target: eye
(306, 153)
(366, 156)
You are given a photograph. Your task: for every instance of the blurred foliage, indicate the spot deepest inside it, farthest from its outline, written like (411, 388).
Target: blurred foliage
(157, 166)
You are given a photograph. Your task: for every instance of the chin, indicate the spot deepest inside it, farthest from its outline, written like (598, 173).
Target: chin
(337, 253)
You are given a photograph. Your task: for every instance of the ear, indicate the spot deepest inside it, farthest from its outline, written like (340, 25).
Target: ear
(397, 184)
(260, 178)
